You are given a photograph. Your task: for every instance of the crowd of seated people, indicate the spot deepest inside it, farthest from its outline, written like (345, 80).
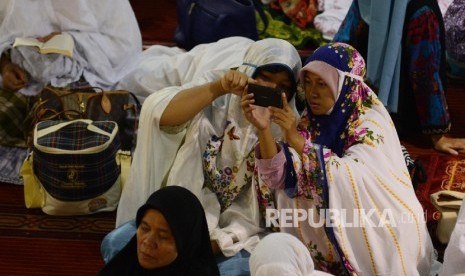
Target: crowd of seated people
(214, 175)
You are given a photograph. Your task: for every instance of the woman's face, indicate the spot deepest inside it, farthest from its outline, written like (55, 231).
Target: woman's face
(279, 80)
(156, 246)
(319, 96)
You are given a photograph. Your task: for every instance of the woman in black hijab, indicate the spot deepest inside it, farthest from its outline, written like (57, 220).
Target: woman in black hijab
(172, 238)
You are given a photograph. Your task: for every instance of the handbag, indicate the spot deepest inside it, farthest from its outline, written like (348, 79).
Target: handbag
(204, 21)
(120, 106)
(75, 167)
(448, 203)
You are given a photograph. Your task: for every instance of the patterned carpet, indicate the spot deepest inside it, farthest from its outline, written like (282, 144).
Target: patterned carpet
(33, 243)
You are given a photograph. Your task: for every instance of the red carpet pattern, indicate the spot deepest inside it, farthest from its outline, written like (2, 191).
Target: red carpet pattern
(48, 257)
(445, 172)
(34, 243)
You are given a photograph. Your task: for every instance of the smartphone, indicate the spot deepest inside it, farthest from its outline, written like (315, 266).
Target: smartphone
(266, 96)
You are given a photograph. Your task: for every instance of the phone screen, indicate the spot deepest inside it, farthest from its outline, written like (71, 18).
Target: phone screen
(266, 96)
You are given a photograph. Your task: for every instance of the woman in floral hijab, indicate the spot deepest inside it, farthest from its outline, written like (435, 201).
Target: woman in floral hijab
(340, 182)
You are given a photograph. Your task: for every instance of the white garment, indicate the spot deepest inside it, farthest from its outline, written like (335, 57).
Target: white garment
(334, 12)
(281, 254)
(106, 35)
(160, 66)
(454, 256)
(176, 159)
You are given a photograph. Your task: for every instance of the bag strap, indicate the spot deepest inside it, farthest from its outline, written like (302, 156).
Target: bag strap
(59, 126)
(290, 182)
(418, 174)
(259, 8)
(90, 127)
(136, 108)
(70, 114)
(88, 89)
(136, 100)
(124, 159)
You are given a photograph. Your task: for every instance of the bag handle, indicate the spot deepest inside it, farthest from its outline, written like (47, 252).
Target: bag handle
(67, 114)
(135, 107)
(87, 89)
(59, 126)
(105, 102)
(259, 8)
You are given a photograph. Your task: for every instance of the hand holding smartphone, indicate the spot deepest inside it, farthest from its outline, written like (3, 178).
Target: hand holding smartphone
(266, 96)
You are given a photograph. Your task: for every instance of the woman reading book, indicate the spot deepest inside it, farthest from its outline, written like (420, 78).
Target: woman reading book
(106, 41)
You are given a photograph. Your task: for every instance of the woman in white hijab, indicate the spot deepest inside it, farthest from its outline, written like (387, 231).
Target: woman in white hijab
(195, 135)
(282, 254)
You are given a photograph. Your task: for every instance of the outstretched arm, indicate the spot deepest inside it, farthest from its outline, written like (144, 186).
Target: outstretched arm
(187, 103)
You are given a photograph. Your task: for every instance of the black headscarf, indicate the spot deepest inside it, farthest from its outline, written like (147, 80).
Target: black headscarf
(186, 218)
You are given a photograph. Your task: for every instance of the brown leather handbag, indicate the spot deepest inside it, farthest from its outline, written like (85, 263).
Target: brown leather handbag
(91, 103)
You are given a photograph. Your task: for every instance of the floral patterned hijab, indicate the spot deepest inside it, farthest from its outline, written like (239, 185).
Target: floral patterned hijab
(332, 130)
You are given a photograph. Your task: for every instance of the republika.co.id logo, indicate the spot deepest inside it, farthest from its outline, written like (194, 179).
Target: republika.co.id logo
(338, 218)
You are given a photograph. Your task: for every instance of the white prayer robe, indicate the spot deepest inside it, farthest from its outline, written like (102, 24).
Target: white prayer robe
(280, 254)
(161, 66)
(163, 158)
(106, 35)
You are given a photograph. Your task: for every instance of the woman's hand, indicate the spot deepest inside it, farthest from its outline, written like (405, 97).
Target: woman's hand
(256, 115)
(14, 77)
(286, 119)
(448, 145)
(235, 82)
(47, 37)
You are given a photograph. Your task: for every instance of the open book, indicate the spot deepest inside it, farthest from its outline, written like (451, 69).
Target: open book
(58, 44)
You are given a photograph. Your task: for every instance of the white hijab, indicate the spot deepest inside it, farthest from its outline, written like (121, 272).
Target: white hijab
(281, 254)
(176, 158)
